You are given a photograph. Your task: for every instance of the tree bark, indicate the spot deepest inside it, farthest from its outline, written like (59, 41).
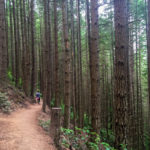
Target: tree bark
(33, 50)
(79, 50)
(57, 101)
(94, 67)
(148, 61)
(16, 47)
(67, 65)
(3, 51)
(120, 93)
(11, 41)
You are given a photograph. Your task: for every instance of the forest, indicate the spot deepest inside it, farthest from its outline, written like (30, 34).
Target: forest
(90, 60)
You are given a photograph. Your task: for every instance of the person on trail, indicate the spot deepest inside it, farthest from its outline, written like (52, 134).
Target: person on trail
(38, 96)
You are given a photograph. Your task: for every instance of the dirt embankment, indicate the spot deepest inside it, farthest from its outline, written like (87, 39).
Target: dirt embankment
(11, 98)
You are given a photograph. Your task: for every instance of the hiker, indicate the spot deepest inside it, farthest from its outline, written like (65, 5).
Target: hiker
(38, 96)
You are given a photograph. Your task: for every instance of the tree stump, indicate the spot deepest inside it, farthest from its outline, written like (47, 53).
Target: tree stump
(55, 124)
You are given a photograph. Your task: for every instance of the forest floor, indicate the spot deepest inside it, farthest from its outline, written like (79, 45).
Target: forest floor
(20, 131)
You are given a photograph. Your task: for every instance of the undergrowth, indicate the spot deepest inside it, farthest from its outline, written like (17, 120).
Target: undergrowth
(82, 140)
(5, 105)
(44, 124)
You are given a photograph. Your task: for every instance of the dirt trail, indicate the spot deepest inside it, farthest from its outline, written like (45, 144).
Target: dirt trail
(20, 131)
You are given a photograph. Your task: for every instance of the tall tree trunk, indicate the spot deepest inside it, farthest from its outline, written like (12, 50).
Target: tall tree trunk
(131, 107)
(3, 52)
(45, 55)
(120, 93)
(67, 65)
(88, 50)
(137, 79)
(33, 49)
(11, 41)
(81, 108)
(74, 96)
(49, 60)
(148, 60)
(18, 42)
(26, 55)
(112, 73)
(94, 67)
(141, 120)
(22, 39)
(6, 31)
(57, 101)
(16, 47)
(129, 87)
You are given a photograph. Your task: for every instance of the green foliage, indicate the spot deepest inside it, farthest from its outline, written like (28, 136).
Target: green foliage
(5, 105)
(86, 120)
(72, 139)
(147, 141)
(62, 108)
(65, 143)
(107, 146)
(83, 139)
(93, 146)
(71, 115)
(107, 136)
(68, 132)
(44, 124)
(124, 146)
(52, 102)
(10, 76)
(20, 82)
